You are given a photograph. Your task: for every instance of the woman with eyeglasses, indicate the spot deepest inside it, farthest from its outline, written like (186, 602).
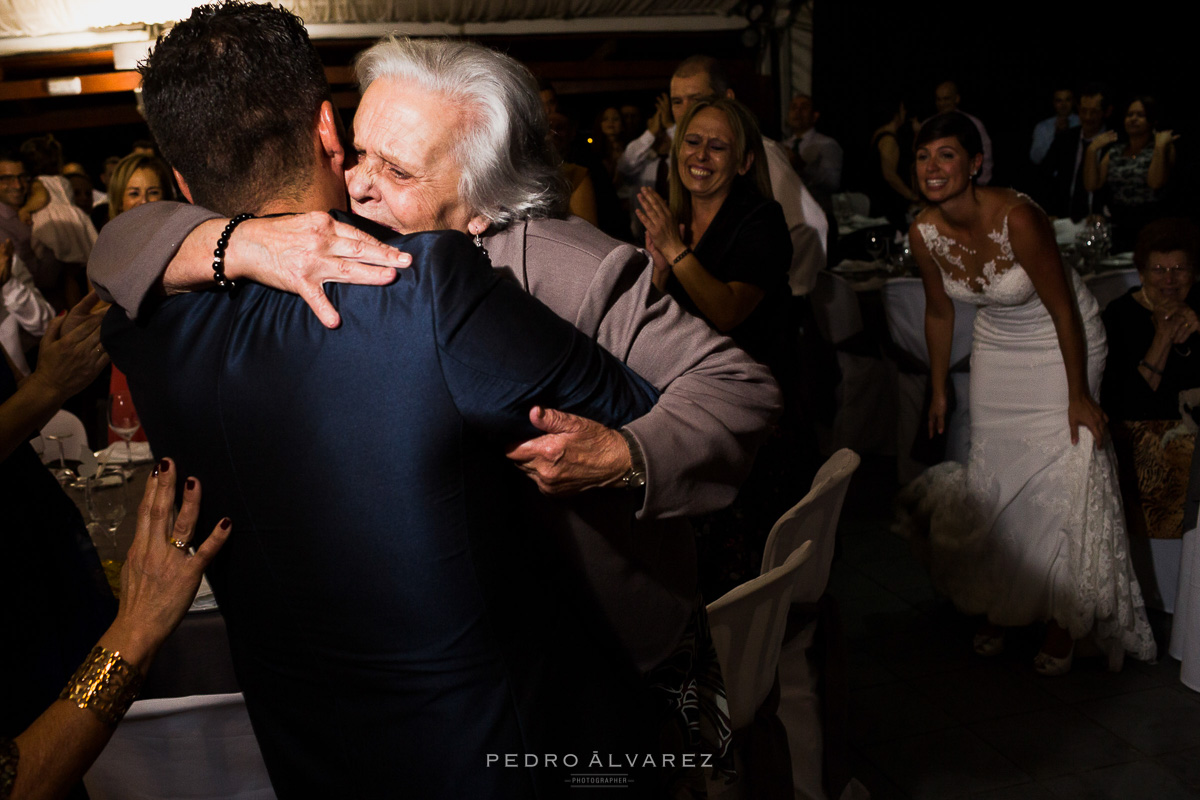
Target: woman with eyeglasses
(1154, 354)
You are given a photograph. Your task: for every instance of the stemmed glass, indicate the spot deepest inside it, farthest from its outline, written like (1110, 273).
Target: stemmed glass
(876, 246)
(105, 506)
(123, 421)
(63, 473)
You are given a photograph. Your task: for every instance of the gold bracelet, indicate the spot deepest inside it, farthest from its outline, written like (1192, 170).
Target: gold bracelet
(104, 684)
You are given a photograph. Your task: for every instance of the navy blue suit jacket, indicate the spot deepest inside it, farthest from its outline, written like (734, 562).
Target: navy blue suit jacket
(385, 610)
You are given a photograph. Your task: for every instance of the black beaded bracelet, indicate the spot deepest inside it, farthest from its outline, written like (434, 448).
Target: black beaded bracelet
(687, 251)
(219, 254)
(1147, 365)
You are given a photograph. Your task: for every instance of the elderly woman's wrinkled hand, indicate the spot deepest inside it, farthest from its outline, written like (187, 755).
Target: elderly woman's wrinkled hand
(161, 576)
(1175, 322)
(299, 253)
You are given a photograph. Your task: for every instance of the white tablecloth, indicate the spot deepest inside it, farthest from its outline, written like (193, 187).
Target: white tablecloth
(1185, 628)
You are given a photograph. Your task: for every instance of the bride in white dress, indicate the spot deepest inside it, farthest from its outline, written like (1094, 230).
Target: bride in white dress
(1032, 530)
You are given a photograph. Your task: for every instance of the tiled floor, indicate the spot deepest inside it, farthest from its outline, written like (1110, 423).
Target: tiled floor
(930, 719)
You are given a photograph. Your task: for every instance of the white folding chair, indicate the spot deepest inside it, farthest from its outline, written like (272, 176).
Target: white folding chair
(67, 430)
(864, 420)
(904, 309)
(747, 625)
(182, 747)
(814, 518)
(1108, 286)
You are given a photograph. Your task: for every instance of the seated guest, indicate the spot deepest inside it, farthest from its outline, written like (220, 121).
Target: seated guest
(1132, 168)
(158, 581)
(1153, 355)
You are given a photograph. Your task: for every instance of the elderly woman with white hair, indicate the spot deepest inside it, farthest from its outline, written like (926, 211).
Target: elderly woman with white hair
(450, 134)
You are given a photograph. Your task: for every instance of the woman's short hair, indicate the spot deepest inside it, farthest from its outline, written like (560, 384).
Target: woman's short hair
(951, 123)
(1167, 236)
(746, 140)
(509, 171)
(124, 171)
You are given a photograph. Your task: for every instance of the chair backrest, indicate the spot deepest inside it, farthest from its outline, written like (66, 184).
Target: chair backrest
(198, 746)
(835, 307)
(1108, 286)
(850, 203)
(74, 438)
(904, 308)
(747, 626)
(814, 519)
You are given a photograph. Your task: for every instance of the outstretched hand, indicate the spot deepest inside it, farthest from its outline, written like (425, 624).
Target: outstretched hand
(299, 253)
(574, 454)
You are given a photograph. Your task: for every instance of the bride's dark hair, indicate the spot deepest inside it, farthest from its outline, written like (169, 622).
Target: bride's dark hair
(951, 123)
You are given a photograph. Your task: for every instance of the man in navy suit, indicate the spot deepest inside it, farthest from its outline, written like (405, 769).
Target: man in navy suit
(389, 626)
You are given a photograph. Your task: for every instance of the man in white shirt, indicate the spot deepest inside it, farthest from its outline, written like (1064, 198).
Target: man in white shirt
(817, 157)
(1064, 118)
(946, 98)
(646, 160)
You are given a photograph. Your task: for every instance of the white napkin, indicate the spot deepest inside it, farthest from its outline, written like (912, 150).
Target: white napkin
(115, 453)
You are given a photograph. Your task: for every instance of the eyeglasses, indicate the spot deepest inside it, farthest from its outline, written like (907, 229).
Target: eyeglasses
(1159, 271)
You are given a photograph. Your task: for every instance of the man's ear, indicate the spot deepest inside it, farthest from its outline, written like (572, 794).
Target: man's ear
(329, 134)
(183, 187)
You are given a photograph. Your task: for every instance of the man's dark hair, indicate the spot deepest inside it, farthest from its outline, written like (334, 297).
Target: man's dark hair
(951, 123)
(42, 155)
(231, 95)
(1090, 89)
(718, 78)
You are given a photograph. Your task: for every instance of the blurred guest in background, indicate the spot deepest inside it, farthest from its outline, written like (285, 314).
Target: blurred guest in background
(1063, 166)
(889, 181)
(138, 179)
(1044, 132)
(817, 157)
(60, 229)
(1132, 169)
(946, 98)
(609, 140)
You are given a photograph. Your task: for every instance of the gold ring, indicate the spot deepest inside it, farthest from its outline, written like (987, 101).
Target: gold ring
(177, 543)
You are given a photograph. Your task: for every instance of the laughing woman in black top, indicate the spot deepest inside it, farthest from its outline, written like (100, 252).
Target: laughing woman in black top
(722, 249)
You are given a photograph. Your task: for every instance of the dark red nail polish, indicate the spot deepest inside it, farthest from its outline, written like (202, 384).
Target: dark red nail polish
(225, 523)
(191, 483)
(164, 466)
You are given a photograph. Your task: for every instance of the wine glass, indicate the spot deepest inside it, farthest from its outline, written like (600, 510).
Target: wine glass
(123, 421)
(876, 246)
(106, 503)
(63, 473)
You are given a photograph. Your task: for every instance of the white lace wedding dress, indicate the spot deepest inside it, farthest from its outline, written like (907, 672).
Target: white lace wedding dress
(1032, 529)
